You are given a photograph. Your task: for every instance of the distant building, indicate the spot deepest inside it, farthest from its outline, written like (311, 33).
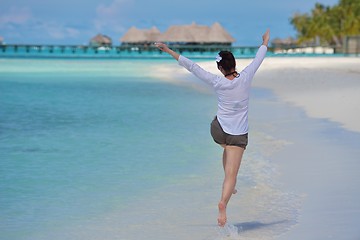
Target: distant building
(180, 34)
(197, 34)
(100, 41)
(278, 43)
(136, 36)
(351, 44)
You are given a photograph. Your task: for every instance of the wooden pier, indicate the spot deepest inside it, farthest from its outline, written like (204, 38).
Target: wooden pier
(11, 50)
(150, 51)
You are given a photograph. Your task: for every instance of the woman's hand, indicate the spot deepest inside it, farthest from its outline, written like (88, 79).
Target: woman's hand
(163, 47)
(266, 38)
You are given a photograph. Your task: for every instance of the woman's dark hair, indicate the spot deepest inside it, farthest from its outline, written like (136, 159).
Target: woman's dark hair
(227, 61)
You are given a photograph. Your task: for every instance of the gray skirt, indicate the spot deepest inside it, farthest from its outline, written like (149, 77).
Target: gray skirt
(223, 138)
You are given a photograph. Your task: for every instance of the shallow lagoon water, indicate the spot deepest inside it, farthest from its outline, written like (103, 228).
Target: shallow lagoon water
(99, 149)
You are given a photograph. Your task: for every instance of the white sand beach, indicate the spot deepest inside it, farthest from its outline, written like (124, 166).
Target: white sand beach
(147, 167)
(325, 87)
(319, 138)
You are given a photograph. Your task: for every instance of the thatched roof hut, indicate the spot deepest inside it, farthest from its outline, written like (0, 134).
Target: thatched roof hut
(283, 43)
(183, 34)
(100, 40)
(195, 34)
(153, 34)
(138, 36)
(218, 34)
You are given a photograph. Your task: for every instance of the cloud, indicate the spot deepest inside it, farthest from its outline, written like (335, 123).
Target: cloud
(112, 10)
(17, 16)
(57, 31)
(20, 24)
(108, 17)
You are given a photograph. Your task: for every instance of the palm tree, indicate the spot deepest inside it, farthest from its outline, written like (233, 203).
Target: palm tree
(301, 23)
(319, 28)
(328, 24)
(350, 13)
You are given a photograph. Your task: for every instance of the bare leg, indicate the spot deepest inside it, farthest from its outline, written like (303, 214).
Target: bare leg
(224, 163)
(224, 157)
(232, 156)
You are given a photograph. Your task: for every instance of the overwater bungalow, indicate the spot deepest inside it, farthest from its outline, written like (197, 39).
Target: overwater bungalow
(279, 43)
(135, 36)
(192, 34)
(100, 41)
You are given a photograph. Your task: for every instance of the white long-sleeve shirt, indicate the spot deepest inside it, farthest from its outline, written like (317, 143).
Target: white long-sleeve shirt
(233, 95)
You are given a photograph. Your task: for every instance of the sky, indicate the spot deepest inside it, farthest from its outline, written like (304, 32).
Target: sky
(77, 21)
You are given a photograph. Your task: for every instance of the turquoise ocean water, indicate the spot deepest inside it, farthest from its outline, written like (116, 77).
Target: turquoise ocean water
(99, 149)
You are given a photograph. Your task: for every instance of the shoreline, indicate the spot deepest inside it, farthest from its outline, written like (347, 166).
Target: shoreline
(299, 179)
(316, 114)
(324, 87)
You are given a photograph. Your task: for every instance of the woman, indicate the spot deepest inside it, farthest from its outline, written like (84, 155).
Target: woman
(230, 126)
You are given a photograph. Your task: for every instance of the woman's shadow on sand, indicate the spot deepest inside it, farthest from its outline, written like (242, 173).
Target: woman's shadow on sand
(254, 225)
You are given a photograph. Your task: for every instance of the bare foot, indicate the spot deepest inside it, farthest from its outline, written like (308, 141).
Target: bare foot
(235, 191)
(222, 214)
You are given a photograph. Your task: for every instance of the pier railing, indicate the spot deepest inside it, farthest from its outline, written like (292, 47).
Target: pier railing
(10, 50)
(147, 51)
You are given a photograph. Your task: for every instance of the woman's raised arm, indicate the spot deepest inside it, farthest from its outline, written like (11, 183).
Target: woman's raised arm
(163, 47)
